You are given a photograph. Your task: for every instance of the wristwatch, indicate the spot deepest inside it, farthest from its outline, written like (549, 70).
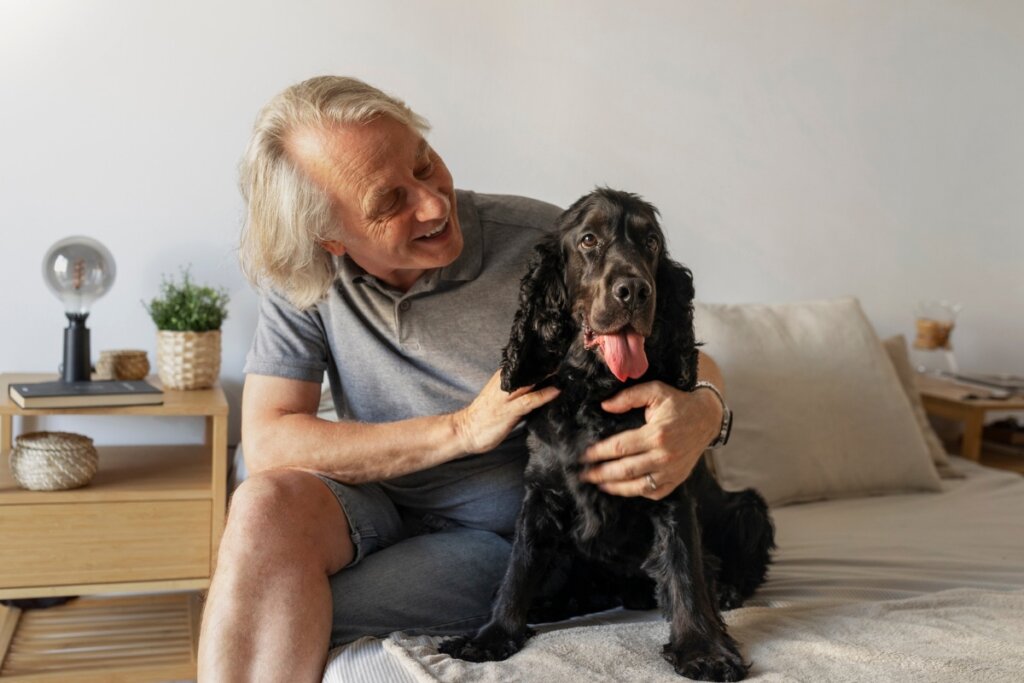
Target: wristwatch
(726, 429)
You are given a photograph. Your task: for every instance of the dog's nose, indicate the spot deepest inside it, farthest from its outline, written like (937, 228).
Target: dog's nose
(631, 291)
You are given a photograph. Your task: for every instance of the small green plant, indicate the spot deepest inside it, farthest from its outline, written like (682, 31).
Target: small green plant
(188, 307)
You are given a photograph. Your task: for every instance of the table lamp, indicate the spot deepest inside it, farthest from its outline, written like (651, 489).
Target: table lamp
(78, 270)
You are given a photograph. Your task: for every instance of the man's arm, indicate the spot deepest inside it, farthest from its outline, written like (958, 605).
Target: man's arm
(280, 429)
(679, 426)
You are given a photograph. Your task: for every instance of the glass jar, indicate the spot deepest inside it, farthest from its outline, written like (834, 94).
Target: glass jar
(932, 352)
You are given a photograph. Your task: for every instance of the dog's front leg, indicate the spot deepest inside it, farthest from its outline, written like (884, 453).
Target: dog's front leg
(533, 549)
(699, 646)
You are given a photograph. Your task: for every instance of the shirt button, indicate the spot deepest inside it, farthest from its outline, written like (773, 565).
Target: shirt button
(404, 306)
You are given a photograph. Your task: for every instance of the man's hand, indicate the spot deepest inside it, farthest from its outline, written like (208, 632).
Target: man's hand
(680, 425)
(485, 422)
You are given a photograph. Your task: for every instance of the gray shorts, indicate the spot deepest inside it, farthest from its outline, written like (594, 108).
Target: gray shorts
(431, 547)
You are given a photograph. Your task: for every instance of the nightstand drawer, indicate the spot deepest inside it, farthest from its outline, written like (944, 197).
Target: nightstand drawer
(51, 545)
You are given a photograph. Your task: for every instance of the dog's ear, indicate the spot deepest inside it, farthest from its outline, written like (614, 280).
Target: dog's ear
(541, 328)
(675, 344)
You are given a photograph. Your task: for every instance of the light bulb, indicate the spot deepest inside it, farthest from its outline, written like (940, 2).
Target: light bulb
(78, 270)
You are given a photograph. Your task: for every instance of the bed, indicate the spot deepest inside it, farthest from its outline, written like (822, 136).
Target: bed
(907, 587)
(895, 561)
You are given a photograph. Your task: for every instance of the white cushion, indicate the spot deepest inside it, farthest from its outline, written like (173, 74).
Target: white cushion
(819, 410)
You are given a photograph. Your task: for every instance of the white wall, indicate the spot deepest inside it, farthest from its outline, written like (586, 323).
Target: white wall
(797, 149)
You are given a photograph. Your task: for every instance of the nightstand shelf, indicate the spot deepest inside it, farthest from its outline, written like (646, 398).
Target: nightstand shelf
(103, 640)
(149, 521)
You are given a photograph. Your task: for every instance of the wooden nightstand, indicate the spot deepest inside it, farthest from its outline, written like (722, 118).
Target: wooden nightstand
(947, 399)
(150, 521)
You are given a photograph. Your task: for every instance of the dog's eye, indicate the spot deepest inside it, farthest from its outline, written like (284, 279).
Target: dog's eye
(652, 243)
(588, 241)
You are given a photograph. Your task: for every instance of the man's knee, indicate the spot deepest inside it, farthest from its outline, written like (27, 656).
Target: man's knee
(286, 512)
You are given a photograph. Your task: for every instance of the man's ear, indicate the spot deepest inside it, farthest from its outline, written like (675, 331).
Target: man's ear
(334, 247)
(542, 325)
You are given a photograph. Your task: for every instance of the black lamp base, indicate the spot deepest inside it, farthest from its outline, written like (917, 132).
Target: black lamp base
(77, 366)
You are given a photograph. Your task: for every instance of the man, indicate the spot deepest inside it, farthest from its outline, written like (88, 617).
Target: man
(374, 269)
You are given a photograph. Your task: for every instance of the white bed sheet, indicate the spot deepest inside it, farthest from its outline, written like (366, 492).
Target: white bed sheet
(970, 535)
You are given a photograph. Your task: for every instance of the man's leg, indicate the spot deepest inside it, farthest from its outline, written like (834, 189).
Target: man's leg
(268, 612)
(439, 583)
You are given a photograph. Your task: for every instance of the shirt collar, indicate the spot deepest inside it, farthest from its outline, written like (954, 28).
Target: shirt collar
(349, 270)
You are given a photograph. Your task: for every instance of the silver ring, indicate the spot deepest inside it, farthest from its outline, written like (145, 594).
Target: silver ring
(651, 484)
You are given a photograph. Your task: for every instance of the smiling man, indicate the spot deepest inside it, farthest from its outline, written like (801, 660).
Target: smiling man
(374, 270)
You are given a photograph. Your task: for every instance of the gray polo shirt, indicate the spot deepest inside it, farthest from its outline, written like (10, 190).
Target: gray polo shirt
(393, 355)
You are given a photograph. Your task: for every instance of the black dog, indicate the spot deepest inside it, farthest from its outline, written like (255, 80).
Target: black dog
(603, 307)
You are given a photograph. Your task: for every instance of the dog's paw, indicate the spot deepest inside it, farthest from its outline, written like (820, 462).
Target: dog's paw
(490, 645)
(452, 646)
(725, 664)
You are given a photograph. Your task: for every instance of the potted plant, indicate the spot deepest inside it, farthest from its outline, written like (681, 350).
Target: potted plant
(188, 318)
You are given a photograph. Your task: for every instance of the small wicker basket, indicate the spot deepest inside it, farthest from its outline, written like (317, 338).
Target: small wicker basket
(188, 360)
(127, 364)
(52, 461)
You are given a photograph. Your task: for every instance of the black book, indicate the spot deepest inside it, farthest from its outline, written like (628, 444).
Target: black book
(85, 394)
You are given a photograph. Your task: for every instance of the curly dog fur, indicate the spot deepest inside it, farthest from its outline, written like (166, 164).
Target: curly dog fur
(605, 274)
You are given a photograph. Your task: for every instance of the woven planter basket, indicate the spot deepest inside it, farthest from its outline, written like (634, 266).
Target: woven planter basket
(188, 360)
(52, 461)
(128, 364)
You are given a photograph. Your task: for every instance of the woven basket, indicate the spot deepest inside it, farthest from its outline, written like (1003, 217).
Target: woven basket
(188, 360)
(127, 364)
(52, 461)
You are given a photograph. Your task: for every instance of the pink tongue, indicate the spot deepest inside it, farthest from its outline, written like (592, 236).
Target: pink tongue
(624, 354)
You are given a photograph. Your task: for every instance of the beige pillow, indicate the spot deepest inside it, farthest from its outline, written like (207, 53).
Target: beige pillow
(896, 347)
(819, 410)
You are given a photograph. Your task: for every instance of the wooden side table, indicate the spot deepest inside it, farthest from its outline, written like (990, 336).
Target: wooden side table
(950, 400)
(150, 521)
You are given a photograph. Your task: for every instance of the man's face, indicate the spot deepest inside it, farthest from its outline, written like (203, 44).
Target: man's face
(391, 193)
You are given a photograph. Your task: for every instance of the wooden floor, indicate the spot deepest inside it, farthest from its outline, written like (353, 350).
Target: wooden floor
(111, 639)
